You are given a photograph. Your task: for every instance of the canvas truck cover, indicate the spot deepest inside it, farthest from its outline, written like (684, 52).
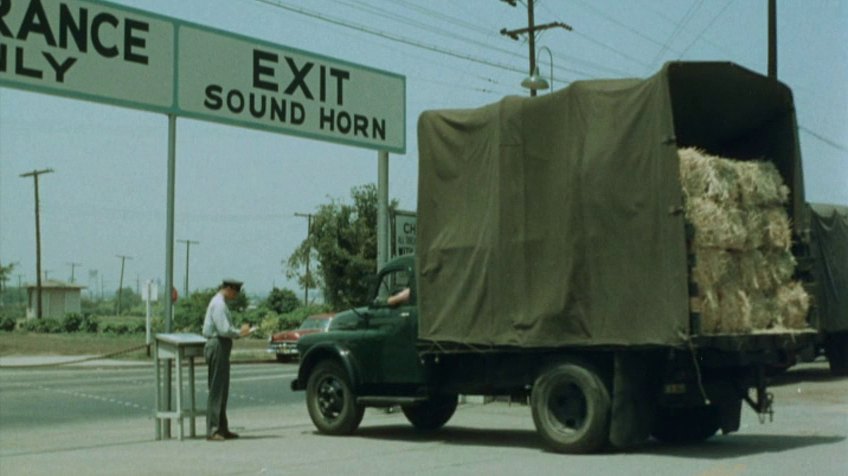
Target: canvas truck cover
(829, 230)
(556, 220)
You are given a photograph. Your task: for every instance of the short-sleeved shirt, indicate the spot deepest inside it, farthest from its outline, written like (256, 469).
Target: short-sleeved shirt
(217, 322)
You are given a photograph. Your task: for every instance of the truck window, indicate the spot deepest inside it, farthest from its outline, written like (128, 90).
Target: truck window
(392, 283)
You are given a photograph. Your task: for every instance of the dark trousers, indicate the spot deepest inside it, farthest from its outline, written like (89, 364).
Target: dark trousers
(217, 353)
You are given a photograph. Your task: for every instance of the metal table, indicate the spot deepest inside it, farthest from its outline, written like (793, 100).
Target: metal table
(180, 348)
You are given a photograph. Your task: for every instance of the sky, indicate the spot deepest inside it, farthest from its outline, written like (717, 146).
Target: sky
(238, 189)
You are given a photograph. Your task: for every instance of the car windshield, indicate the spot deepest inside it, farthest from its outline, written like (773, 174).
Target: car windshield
(310, 323)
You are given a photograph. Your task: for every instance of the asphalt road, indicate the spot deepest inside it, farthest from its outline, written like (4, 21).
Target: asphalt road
(98, 421)
(58, 395)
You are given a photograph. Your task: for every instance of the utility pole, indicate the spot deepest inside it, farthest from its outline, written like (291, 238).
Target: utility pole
(34, 174)
(531, 30)
(121, 283)
(73, 265)
(188, 250)
(308, 217)
(772, 39)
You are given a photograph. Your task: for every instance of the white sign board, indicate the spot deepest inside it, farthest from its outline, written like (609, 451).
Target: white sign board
(405, 224)
(150, 291)
(88, 50)
(246, 82)
(102, 52)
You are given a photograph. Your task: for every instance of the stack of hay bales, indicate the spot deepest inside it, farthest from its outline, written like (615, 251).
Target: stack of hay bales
(743, 266)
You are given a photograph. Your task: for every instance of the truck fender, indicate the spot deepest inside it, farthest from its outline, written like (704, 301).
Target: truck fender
(327, 351)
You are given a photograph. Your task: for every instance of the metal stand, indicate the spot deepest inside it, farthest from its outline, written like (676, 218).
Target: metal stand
(179, 348)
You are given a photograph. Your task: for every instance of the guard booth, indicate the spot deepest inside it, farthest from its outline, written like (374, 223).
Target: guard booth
(180, 349)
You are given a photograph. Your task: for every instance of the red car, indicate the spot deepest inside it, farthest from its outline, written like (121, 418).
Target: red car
(284, 343)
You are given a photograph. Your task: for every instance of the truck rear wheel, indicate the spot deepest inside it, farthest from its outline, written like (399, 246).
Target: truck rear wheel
(686, 425)
(571, 409)
(331, 403)
(432, 414)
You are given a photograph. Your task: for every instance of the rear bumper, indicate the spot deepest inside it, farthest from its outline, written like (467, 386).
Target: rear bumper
(282, 348)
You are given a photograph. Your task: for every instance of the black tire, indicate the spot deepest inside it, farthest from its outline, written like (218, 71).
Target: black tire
(571, 409)
(836, 350)
(432, 414)
(282, 358)
(331, 403)
(686, 425)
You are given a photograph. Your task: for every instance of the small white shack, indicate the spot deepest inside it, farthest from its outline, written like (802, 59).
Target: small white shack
(58, 299)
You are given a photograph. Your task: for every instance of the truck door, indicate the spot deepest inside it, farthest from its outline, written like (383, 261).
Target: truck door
(396, 328)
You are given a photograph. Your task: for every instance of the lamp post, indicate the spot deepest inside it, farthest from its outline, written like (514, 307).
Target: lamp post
(536, 81)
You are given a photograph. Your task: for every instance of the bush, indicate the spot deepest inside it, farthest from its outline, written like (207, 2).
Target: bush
(89, 323)
(44, 326)
(72, 322)
(7, 323)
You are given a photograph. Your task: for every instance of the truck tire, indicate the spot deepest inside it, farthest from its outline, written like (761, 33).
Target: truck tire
(432, 414)
(836, 350)
(331, 403)
(686, 425)
(571, 409)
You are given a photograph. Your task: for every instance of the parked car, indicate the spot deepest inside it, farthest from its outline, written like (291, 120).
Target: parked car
(284, 343)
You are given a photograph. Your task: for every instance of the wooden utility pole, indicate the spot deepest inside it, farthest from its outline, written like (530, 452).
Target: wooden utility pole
(772, 39)
(531, 30)
(34, 174)
(121, 284)
(73, 266)
(308, 217)
(188, 250)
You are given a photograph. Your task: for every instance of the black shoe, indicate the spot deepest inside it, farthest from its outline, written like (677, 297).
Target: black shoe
(216, 437)
(230, 435)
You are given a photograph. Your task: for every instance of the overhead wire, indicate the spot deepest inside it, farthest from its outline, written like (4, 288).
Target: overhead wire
(687, 17)
(709, 25)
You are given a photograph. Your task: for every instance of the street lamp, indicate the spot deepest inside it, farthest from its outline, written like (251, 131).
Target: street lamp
(535, 81)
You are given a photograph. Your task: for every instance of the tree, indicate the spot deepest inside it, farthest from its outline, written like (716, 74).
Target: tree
(344, 238)
(282, 301)
(5, 273)
(191, 310)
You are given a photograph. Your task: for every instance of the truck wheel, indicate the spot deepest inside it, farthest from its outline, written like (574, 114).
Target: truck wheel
(571, 409)
(836, 350)
(686, 425)
(432, 414)
(331, 403)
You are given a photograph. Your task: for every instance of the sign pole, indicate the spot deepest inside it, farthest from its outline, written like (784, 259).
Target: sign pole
(382, 208)
(169, 259)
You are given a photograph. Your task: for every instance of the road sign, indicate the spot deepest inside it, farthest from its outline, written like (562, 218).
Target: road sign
(108, 53)
(404, 230)
(247, 82)
(88, 50)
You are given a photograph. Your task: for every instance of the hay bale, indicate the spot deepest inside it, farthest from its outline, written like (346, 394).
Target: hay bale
(714, 267)
(705, 176)
(794, 303)
(760, 184)
(741, 242)
(716, 226)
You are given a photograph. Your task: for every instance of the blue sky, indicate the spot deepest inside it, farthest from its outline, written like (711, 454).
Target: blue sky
(237, 189)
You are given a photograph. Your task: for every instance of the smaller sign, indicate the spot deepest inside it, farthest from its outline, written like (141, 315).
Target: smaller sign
(150, 291)
(404, 231)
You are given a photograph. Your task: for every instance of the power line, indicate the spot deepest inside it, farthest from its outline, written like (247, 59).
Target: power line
(389, 36)
(824, 139)
(687, 17)
(709, 25)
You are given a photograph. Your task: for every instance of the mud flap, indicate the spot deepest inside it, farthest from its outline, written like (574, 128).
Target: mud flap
(633, 398)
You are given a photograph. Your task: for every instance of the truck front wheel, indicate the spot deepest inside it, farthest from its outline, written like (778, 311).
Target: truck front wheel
(686, 425)
(331, 403)
(836, 350)
(571, 409)
(432, 414)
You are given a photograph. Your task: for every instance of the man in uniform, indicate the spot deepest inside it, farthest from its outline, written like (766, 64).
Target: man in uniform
(220, 332)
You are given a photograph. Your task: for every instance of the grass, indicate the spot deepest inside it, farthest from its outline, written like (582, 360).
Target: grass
(31, 343)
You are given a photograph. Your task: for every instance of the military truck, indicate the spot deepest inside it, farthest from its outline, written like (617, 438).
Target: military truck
(552, 265)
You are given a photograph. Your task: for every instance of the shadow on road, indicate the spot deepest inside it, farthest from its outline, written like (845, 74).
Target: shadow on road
(720, 447)
(736, 445)
(805, 374)
(456, 436)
